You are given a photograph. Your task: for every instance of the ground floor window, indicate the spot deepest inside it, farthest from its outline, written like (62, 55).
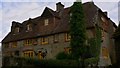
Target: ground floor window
(29, 54)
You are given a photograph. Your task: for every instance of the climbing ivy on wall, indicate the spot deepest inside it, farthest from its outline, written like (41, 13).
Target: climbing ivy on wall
(98, 39)
(95, 44)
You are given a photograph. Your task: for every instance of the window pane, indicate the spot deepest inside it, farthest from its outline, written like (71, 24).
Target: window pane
(46, 22)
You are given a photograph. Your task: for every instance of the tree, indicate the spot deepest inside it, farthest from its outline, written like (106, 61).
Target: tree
(77, 31)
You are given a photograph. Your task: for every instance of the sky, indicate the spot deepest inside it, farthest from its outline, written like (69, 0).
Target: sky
(21, 10)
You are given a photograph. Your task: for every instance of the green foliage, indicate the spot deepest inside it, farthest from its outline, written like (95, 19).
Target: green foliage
(63, 55)
(94, 47)
(35, 63)
(98, 39)
(92, 60)
(77, 30)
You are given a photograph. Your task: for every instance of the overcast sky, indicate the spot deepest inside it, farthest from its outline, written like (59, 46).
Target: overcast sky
(19, 10)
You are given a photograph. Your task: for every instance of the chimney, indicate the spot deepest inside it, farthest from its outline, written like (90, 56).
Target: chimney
(59, 7)
(105, 13)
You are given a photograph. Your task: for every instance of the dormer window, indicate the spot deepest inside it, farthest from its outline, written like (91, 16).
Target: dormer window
(46, 22)
(29, 27)
(17, 30)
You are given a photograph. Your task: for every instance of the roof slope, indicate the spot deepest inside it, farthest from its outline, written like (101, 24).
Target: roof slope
(62, 25)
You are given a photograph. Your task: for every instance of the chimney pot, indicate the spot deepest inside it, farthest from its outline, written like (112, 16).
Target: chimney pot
(59, 6)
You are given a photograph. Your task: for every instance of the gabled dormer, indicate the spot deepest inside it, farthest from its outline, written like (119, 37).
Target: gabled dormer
(49, 16)
(47, 13)
(29, 25)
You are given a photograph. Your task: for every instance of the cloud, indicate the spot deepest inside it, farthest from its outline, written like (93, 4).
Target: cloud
(20, 13)
(57, 0)
(105, 0)
(38, 0)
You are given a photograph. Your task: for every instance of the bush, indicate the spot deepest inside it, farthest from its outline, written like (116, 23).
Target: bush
(35, 63)
(92, 60)
(61, 55)
(56, 63)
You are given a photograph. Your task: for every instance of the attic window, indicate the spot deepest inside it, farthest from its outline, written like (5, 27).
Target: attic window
(46, 22)
(17, 30)
(29, 27)
(103, 19)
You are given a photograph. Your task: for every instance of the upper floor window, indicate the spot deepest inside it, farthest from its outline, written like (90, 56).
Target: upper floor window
(70, 14)
(67, 37)
(44, 40)
(35, 41)
(28, 42)
(103, 19)
(29, 27)
(14, 44)
(6, 45)
(56, 38)
(46, 22)
(104, 23)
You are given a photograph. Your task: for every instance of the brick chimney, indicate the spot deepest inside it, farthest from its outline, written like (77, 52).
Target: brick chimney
(59, 7)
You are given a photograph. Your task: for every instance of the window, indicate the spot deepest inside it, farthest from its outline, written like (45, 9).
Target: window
(67, 50)
(29, 54)
(29, 27)
(46, 22)
(28, 42)
(35, 41)
(70, 14)
(105, 53)
(17, 30)
(14, 44)
(103, 37)
(17, 53)
(104, 23)
(103, 19)
(6, 45)
(67, 37)
(8, 53)
(56, 38)
(44, 40)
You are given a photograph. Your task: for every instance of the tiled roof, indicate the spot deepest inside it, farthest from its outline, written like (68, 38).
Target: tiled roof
(61, 25)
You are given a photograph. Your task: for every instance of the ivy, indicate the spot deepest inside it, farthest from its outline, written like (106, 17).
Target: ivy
(77, 30)
(98, 39)
(94, 46)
